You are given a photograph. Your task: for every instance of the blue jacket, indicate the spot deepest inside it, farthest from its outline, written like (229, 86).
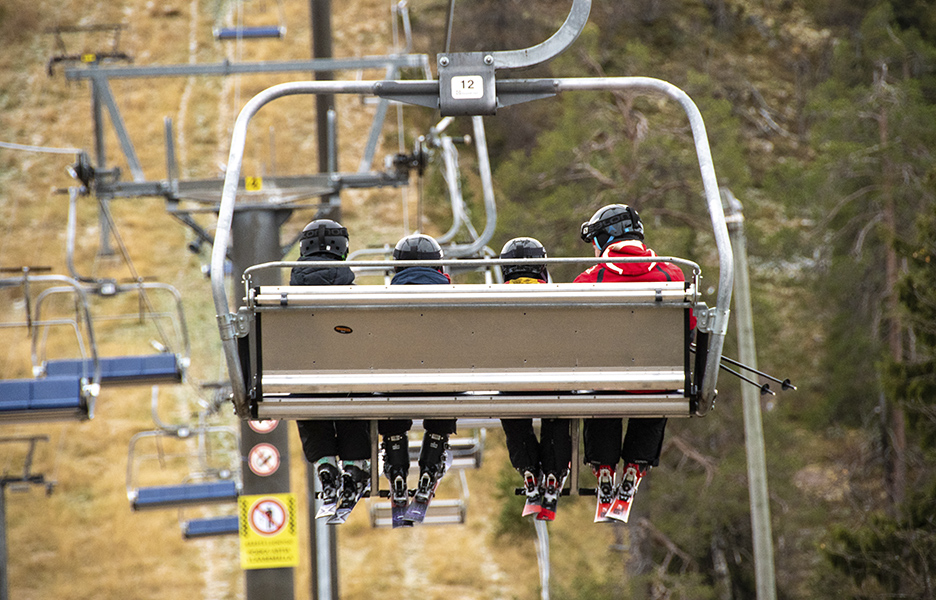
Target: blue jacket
(419, 275)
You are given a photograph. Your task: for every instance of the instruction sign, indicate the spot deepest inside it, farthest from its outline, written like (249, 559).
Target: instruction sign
(268, 537)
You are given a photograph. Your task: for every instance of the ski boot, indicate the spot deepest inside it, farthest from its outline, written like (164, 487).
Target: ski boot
(633, 473)
(355, 483)
(330, 479)
(431, 470)
(396, 469)
(553, 488)
(532, 488)
(605, 476)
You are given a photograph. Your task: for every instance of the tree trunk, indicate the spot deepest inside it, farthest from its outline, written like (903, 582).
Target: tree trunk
(896, 466)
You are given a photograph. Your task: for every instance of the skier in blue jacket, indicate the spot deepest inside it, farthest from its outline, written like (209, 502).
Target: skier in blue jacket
(395, 439)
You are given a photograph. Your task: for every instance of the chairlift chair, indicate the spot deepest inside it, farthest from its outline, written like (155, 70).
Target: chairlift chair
(455, 363)
(57, 397)
(213, 480)
(253, 32)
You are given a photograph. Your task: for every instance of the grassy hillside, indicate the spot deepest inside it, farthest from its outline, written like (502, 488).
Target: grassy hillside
(773, 80)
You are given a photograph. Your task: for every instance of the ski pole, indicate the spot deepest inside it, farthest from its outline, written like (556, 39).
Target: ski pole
(764, 389)
(784, 384)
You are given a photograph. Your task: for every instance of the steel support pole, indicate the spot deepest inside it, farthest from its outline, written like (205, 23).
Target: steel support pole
(100, 155)
(4, 567)
(256, 239)
(322, 48)
(324, 545)
(750, 395)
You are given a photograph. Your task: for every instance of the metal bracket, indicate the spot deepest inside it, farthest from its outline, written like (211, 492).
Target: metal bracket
(705, 317)
(466, 79)
(242, 321)
(466, 84)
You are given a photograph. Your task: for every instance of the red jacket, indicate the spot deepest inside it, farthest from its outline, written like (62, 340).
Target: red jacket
(637, 271)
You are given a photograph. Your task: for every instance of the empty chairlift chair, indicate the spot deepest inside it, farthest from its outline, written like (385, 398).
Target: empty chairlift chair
(209, 479)
(168, 365)
(45, 397)
(253, 32)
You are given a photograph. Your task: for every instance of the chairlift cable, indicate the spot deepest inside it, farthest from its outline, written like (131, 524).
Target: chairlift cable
(46, 149)
(448, 25)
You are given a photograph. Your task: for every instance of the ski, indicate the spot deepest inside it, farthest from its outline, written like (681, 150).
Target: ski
(620, 509)
(327, 510)
(416, 511)
(399, 496)
(398, 514)
(551, 493)
(355, 485)
(605, 475)
(534, 495)
(330, 481)
(531, 507)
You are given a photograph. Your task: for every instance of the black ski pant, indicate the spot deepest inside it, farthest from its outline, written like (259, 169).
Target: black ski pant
(347, 439)
(550, 454)
(394, 427)
(642, 443)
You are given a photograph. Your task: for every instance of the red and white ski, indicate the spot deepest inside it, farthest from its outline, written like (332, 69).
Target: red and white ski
(605, 475)
(620, 509)
(534, 495)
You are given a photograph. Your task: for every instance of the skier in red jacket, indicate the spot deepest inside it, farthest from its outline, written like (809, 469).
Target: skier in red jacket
(616, 231)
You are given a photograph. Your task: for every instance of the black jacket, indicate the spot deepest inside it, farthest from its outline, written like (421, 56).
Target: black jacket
(320, 275)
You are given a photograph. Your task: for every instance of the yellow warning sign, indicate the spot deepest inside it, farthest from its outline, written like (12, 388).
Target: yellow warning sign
(253, 184)
(268, 537)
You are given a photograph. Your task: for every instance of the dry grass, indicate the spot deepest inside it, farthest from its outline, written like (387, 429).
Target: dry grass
(83, 541)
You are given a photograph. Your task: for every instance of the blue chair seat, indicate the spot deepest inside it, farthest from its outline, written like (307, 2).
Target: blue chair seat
(264, 31)
(211, 526)
(185, 494)
(46, 399)
(146, 369)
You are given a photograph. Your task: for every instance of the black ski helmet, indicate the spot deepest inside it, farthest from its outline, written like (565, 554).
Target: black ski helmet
(324, 236)
(417, 246)
(613, 222)
(524, 247)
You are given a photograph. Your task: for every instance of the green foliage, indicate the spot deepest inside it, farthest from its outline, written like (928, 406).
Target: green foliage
(887, 555)
(509, 523)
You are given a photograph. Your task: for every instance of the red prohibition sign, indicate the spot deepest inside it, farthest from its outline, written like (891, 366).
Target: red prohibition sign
(263, 426)
(268, 516)
(264, 459)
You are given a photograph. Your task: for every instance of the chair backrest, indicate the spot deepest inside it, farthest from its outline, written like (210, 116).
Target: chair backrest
(470, 350)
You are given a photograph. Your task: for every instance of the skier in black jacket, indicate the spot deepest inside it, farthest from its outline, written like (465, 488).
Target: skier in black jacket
(394, 431)
(543, 463)
(324, 442)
